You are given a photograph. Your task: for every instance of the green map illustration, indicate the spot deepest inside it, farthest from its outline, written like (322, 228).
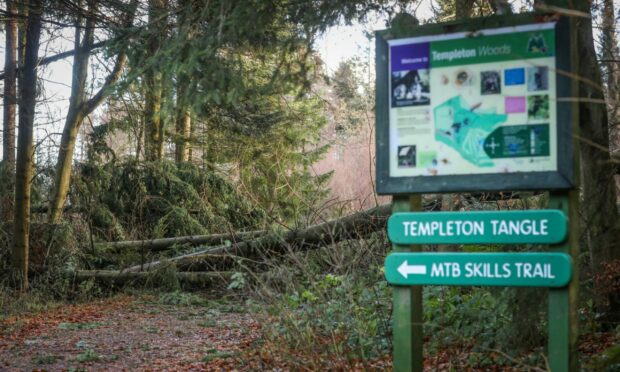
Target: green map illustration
(464, 130)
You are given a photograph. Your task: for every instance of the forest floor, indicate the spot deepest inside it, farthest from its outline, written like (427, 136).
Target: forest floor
(126, 333)
(151, 332)
(141, 332)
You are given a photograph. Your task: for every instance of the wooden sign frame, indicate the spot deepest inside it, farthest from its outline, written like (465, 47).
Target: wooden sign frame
(561, 184)
(563, 178)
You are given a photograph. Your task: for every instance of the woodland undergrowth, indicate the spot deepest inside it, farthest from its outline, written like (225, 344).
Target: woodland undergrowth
(318, 309)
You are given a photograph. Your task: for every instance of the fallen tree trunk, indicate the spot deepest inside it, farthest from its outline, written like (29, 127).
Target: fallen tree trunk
(121, 278)
(165, 243)
(357, 225)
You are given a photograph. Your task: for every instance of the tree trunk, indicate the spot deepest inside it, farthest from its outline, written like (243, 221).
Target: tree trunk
(599, 210)
(165, 243)
(10, 104)
(21, 40)
(154, 138)
(80, 108)
(355, 226)
(25, 148)
(183, 114)
(121, 278)
(500, 6)
(57, 57)
(611, 62)
(74, 115)
(183, 124)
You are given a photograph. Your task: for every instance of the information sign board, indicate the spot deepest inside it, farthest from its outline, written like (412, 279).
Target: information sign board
(482, 227)
(483, 269)
(482, 102)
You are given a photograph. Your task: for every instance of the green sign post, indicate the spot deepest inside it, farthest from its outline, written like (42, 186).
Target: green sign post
(482, 269)
(480, 105)
(514, 227)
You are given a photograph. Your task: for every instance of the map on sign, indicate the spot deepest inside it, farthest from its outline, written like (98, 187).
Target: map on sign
(473, 103)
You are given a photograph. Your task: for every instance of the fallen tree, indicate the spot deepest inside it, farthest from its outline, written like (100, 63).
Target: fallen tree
(165, 243)
(354, 226)
(121, 278)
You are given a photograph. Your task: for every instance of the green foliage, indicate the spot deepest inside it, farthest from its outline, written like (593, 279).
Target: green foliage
(224, 45)
(237, 281)
(160, 199)
(334, 303)
(181, 298)
(274, 164)
(456, 316)
(331, 303)
(446, 10)
(213, 354)
(353, 104)
(46, 358)
(608, 360)
(335, 307)
(78, 326)
(89, 355)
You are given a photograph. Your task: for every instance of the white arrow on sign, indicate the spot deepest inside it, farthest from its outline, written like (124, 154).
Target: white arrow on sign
(405, 269)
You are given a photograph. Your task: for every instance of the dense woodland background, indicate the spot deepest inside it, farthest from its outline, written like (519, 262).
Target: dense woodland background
(205, 147)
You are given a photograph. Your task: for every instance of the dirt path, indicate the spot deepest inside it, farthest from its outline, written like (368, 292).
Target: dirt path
(127, 333)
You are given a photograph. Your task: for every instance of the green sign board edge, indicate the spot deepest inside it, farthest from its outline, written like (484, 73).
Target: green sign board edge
(492, 232)
(479, 269)
(563, 178)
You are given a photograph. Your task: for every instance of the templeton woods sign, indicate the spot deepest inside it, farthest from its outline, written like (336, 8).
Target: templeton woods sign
(473, 110)
(480, 105)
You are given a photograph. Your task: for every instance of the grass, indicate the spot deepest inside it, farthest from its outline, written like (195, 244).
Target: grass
(216, 354)
(46, 359)
(87, 356)
(208, 324)
(151, 329)
(79, 326)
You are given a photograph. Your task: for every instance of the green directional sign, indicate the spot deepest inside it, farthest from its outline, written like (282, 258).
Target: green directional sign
(482, 227)
(518, 141)
(483, 269)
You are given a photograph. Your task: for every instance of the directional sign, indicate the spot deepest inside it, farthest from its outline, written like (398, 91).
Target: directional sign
(512, 227)
(484, 269)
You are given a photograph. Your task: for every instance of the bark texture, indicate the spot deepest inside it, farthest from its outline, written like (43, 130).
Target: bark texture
(165, 243)
(500, 6)
(599, 211)
(196, 279)
(83, 40)
(57, 57)
(25, 148)
(183, 123)
(611, 62)
(355, 226)
(154, 136)
(183, 114)
(80, 107)
(10, 106)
